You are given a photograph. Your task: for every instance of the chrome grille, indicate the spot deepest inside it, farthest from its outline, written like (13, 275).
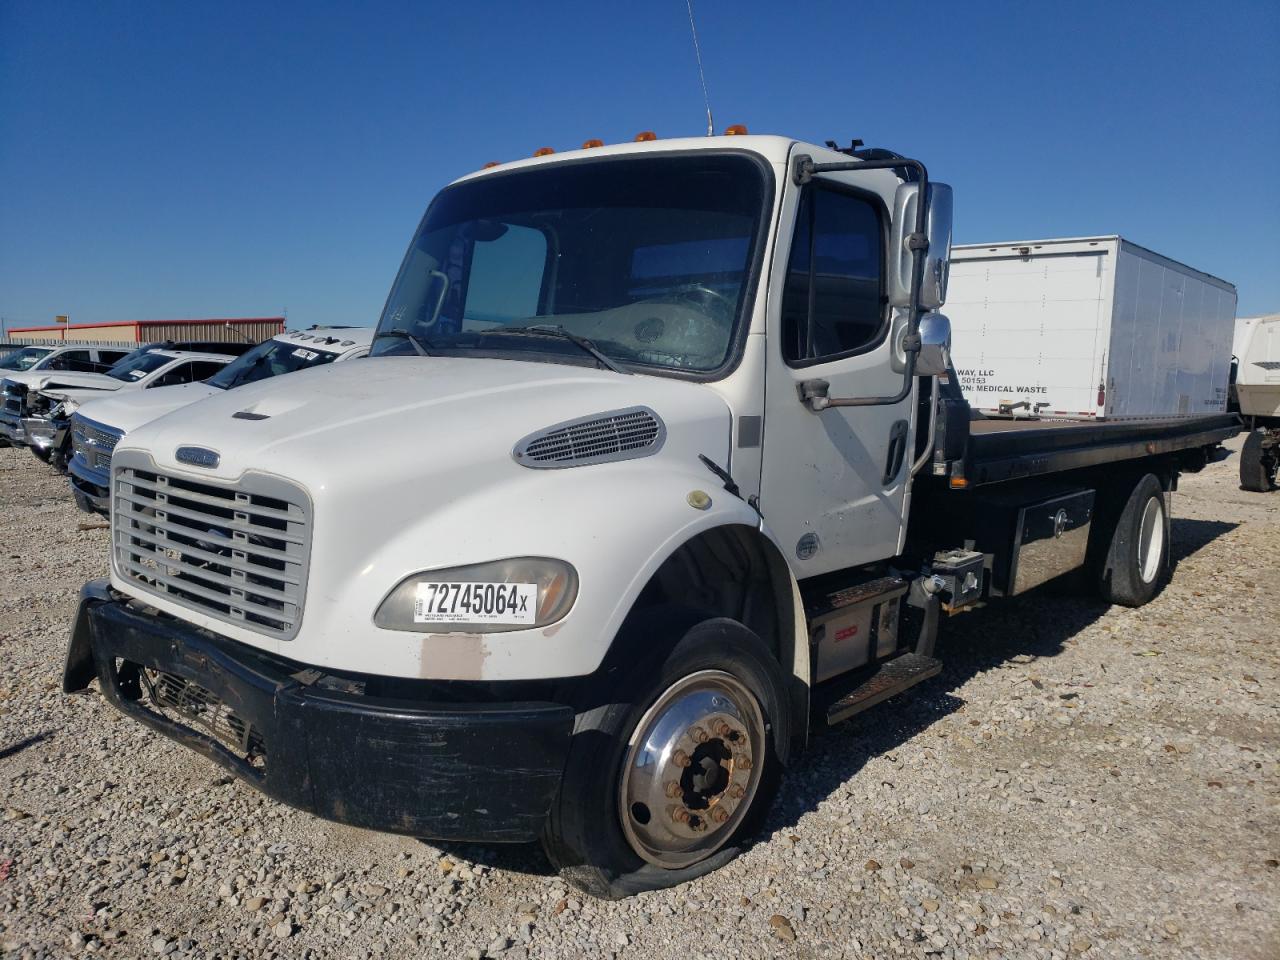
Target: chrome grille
(619, 435)
(201, 709)
(94, 442)
(236, 552)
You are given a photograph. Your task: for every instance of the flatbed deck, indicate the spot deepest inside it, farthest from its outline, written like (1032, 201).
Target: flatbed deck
(1000, 449)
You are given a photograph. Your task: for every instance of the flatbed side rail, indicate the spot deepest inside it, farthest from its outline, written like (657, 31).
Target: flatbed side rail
(1002, 450)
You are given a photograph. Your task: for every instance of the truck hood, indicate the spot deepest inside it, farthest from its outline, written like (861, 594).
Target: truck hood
(129, 409)
(391, 420)
(59, 379)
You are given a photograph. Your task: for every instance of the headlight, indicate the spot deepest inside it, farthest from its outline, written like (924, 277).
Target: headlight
(494, 597)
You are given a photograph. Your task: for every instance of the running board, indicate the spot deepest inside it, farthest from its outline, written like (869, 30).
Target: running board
(888, 680)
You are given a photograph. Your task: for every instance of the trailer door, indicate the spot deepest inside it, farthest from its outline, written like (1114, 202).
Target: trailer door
(833, 482)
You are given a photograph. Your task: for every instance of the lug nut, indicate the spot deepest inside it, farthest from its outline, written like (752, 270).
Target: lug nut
(680, 758)
(743, 763)
(737, 791)
(723, 729)
(697, 735)
(719, 814)
(673, 789)
(680, 815)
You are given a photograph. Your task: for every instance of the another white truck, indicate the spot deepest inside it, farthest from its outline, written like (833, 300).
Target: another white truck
(650, 468)
(1257, 389)
(1088, 328)
(96, 427)
(32, 366)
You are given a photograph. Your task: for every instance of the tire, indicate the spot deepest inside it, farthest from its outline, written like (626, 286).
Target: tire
(603, 833)
(1136, 563)
(1257, 464)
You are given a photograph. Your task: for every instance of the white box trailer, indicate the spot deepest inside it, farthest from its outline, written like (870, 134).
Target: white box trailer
(1088, 328)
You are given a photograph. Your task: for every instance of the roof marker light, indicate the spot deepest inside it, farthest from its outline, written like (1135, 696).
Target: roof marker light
(491, 163)
(737, 130)
(644, 136)
(543, 152)
(592, 143)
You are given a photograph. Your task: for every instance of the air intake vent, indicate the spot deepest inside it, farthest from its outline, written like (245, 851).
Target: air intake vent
(617, 435)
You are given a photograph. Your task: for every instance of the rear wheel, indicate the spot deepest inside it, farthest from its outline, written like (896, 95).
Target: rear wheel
(666, 783)
(1136, 564)
(1258, 463)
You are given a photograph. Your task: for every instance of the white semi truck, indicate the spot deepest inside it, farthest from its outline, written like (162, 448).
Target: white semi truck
(654, 464)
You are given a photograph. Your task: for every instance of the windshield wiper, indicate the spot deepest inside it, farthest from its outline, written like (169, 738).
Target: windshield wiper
(547, 330)
(420, 345)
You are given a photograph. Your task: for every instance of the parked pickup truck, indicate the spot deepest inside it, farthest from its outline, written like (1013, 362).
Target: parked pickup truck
(653, 466)
(97, 427)
(31, 365)
(49, 408)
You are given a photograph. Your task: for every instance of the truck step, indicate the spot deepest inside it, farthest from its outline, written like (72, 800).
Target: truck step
(888, 680)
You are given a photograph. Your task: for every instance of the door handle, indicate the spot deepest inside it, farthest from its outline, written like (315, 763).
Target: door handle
(897, 451)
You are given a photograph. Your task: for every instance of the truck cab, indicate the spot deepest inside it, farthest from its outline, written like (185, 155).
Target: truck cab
(656, 459)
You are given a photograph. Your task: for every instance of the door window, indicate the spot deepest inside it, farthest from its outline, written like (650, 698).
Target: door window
(77, 360)
(172, 378)
(833, 302)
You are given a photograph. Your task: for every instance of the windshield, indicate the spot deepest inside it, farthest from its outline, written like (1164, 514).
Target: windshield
(138, 365)
(647, 258)
(24, 359)
(269, 359)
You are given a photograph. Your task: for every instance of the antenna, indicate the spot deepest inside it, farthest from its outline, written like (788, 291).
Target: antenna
(697, 52)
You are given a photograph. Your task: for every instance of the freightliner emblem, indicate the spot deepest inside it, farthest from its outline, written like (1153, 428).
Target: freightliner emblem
(198, 457)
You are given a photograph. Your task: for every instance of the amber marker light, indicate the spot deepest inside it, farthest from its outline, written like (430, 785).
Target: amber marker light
(592, 144)
(644, 136)
(543, 152)
(491, 163)
(737, 130)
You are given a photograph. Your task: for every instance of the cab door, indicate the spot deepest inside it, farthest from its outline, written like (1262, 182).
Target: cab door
(833, 483)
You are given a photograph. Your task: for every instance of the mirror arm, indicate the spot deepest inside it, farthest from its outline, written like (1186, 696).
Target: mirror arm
(803, 170)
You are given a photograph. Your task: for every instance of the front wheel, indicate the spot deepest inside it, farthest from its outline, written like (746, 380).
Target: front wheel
(665, 784)
(1136, 564)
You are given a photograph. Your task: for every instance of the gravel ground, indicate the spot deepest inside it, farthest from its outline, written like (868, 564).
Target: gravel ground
(1080, 781)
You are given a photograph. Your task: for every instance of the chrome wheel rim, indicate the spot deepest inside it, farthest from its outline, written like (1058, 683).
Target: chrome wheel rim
(692, 769)
(1151, 540)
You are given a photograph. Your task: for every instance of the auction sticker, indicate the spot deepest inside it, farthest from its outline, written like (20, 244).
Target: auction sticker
(305, 354)
(476, 603)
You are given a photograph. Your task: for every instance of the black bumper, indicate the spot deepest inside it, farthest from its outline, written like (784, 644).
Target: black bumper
(456, 771)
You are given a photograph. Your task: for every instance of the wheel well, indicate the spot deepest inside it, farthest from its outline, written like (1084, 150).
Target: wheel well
(729, 571)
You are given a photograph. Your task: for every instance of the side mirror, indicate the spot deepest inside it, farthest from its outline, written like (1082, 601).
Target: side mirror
(935, 346)
(933, 286)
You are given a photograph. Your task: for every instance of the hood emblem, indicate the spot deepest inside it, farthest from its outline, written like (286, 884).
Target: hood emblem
(198, 457)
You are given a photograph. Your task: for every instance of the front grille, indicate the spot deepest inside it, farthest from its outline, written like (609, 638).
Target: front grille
(93, 441)
(237, 552)
(201, 709)
(620, 435)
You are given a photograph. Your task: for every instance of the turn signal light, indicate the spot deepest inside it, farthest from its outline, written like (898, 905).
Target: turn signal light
(737, 130)
(644, 136)
(588, 144)
(543, 152)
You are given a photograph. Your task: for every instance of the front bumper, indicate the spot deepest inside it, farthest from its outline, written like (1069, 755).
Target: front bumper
(43, 433)
(456, 771)
(11, 429)
(91, 488)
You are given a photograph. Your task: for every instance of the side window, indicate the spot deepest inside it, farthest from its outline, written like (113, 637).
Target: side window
(505, 280)
(833, 301)
(202, 370)
(108, 358)
(78, 360)
(178, 375)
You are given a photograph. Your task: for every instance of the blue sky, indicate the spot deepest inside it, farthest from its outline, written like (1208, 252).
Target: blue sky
(163, 160)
